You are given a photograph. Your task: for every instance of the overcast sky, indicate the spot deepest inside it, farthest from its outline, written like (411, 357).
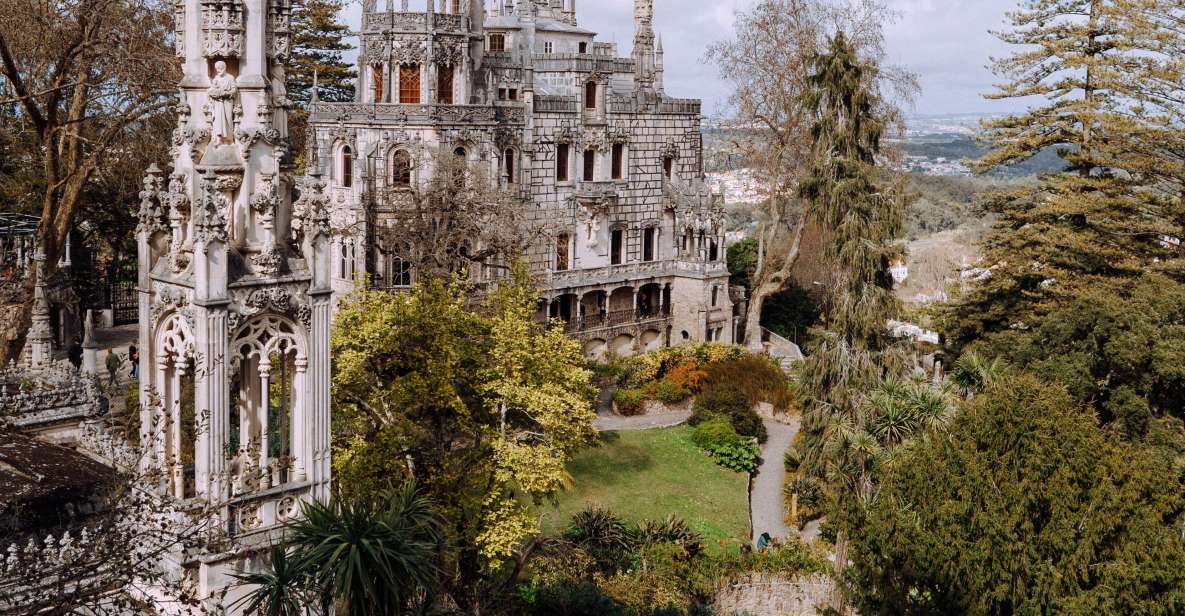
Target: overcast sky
(946, 42)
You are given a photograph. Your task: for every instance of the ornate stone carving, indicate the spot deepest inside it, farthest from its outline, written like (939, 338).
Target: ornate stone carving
(179, 27)
(275, 299)
(505, 138)
(448, 52)
(670, 149)
(593, 139)
(311, 210)
(167, 299)
(151, 216)
(279, 31)
(374, 49)
(222, 28)
(407, 49)
(268, 262)
(213, 210)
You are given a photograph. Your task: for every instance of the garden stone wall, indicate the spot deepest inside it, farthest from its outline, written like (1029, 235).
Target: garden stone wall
(761, 594)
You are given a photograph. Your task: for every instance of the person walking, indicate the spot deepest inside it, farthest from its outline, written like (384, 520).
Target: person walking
(134, 358)
(113, 362)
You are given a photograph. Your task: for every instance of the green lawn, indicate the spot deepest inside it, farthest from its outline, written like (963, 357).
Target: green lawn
(649, 474)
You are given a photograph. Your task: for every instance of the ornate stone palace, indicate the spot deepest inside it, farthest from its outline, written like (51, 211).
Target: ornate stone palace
(589, 141)
(235, 294)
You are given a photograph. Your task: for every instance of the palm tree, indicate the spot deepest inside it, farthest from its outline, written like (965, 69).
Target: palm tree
(973, 373)
(373, 556)
(367, 557)
(280, 590)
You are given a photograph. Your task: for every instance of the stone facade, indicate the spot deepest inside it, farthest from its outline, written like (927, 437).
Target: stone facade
(234, 293)
(588, 141)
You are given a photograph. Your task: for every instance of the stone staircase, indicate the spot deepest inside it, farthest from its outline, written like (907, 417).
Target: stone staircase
(784, 351)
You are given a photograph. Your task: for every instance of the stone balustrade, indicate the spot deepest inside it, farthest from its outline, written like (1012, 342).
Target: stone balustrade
(414, 22)
(617, 274)
(503, 113)
(47, 395)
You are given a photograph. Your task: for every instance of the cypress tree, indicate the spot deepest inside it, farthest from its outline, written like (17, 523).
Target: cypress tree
(865, 221)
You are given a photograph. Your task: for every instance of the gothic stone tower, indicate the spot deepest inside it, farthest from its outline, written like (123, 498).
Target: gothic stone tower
(234, 291)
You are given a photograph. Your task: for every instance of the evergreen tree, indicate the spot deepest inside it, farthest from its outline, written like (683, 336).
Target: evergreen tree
(852, 354)
(1026, 506)
(1110, 74)
(318, 43)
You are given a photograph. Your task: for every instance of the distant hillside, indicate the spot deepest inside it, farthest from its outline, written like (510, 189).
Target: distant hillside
(945, 153)
(934, 145)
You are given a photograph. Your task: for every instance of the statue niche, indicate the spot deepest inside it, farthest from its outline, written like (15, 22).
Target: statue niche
(223, 92)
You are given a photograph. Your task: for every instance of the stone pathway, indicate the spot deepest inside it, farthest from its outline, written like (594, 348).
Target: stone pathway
(608, 423)
(766, 501)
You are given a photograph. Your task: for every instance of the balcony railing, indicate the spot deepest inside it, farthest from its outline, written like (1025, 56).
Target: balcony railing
(614, 318)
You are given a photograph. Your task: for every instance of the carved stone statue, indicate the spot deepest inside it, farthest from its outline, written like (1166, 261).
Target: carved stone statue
(593, 225)
(222, 92)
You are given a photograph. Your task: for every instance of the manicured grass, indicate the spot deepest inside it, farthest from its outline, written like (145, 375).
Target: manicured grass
(646, 475)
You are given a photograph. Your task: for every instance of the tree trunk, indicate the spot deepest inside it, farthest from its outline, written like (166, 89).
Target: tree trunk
(767, 283)
(838, 599)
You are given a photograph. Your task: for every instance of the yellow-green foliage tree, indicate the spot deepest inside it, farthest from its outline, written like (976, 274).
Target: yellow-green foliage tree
(482, 407)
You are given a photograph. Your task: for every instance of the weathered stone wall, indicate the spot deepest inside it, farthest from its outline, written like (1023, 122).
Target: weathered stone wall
(762, 594)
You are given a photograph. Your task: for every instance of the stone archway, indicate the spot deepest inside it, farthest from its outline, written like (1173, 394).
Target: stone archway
(622, 345)
(650, 340)
(596, 349)
(266, 423)
(174, 427)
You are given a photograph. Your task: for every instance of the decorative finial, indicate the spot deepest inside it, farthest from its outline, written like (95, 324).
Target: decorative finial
(314, 98)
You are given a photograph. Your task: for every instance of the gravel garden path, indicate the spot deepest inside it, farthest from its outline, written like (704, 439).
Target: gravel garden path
(766, 500)
(607, 423)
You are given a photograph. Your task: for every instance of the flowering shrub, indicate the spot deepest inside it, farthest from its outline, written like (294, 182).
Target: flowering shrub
(629, 401)
(688, 376)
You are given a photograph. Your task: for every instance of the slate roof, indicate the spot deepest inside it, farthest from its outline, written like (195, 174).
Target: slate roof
(36, 471)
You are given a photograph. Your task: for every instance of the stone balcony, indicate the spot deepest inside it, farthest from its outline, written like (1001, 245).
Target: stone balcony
(401, 114)
(617, 274)
(596, 191)
(414, 22)
(612, 323)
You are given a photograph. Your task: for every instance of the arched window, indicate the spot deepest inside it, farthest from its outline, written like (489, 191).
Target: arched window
(401, 164)
(376, 73)
(347, 167)
(345, 259)
(400, 272)
(562, 243)
(409, 84)
(508, 165)
(590, 165)
(460, 153)
(668, 166)
(590, 95)
(444, 84)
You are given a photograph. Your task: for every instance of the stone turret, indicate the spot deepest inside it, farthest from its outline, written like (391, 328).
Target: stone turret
(234, 293)
(644, 58)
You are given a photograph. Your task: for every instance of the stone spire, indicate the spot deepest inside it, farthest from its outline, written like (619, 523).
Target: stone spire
(90, 347)
(41, 332)
(643, 53)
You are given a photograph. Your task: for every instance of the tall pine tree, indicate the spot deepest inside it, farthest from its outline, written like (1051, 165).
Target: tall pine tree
(855, 350)
(318, 44)
(1111, 76)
